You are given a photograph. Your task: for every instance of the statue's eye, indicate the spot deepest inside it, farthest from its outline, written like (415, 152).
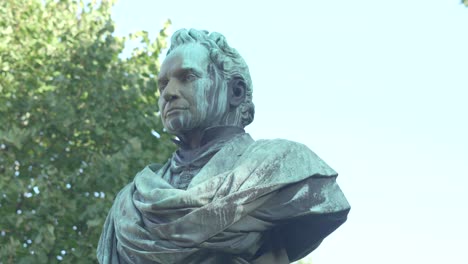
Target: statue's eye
(189, 77)
(162, 85)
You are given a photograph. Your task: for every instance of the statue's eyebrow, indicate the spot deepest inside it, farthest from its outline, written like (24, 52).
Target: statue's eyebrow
(181, 72)
(161, 79)
(162, 76)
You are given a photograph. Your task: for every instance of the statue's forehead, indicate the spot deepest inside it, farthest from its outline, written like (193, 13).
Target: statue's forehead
(188, 56)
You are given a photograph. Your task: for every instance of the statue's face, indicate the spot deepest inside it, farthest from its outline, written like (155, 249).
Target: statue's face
(188, 99)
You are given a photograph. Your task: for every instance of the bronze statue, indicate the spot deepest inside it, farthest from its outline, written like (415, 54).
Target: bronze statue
(222, 197)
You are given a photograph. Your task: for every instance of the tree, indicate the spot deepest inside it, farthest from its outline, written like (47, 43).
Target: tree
(76, 124)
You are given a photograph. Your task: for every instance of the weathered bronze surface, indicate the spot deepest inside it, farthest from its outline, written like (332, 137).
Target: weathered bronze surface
(222, 197)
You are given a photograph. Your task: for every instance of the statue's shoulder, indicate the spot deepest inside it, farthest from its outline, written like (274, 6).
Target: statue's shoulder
(150, 169)
(128, 189)
(289, 155)
(155, 166)
(279, 145)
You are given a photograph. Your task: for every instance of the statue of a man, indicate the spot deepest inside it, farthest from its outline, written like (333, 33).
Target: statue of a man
(222, 197)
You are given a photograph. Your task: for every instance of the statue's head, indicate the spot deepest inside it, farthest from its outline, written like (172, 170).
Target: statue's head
(203, 82)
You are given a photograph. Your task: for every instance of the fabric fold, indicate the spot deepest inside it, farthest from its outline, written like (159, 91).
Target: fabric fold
(248, 191)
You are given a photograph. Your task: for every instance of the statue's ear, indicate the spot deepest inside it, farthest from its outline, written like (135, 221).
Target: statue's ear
(237, 89)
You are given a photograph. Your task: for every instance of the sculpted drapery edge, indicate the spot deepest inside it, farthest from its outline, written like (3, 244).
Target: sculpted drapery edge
(234, 206)
(222, 197)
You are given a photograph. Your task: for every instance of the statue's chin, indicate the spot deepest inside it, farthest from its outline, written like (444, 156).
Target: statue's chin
(178, 125)
(185, 124)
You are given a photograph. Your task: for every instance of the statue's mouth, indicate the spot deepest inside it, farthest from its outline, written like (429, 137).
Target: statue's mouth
(174, 109)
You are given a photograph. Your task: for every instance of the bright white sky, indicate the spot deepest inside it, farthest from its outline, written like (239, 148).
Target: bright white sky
(378, 89)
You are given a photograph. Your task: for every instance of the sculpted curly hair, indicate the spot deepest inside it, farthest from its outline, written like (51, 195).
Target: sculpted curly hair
(228, 66)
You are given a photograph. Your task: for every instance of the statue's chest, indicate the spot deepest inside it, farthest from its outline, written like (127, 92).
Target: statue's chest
(181, 179)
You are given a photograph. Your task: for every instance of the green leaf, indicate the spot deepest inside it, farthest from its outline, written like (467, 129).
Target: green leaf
(74, 117)
(94, 222)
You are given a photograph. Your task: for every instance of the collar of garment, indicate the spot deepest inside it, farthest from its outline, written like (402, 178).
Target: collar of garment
(213, 138)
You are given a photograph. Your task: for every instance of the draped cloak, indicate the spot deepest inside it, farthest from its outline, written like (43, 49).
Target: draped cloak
(265, 201)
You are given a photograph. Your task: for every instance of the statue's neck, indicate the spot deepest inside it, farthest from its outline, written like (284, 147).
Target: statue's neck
(198, 138)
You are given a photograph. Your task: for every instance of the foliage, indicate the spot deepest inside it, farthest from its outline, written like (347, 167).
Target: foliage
(76, 124)
(465, 2)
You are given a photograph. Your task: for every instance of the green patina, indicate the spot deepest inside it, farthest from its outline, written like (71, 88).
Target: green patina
(222, 197)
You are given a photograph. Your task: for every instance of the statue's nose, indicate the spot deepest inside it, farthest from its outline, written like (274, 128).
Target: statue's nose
(171, 92)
